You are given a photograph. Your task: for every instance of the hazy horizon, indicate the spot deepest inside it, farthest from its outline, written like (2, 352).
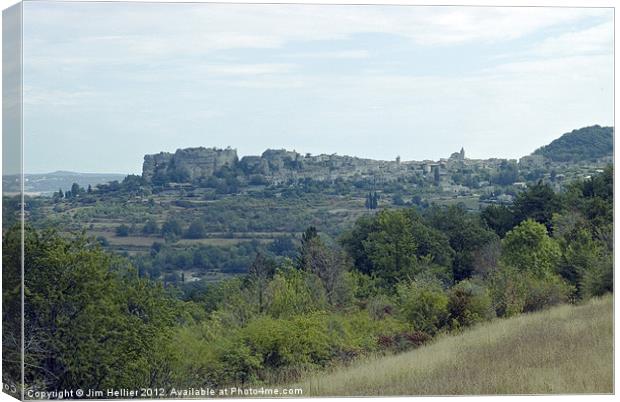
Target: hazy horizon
(446, 155)
(107, 83)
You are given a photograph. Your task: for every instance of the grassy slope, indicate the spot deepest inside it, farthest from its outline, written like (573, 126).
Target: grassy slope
(567, 349)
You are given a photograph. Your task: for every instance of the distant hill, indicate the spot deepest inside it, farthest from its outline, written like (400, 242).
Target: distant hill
(47, 183)
(588, 143)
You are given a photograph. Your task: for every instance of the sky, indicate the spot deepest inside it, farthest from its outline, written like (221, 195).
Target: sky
(107, 83)
(11, 90)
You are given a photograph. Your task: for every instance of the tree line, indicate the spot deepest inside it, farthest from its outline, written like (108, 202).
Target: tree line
(391, 282)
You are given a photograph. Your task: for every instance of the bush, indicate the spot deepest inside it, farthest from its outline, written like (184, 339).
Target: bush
(362, 333)
(293, 292)
(587, 263)
(380, 306)
(279, 350)
(599, 279)
(171, 227)
(102, 241)
(515, 292)
(122, 230)
(196, 230)
(469, 303)
(529, 248)
(150, 227)
(93, 321)
(403, 341)
(508, 292)
(424, 305)
(364, 287)
(543, 293)
(409, 340)
(302, 341)
(209, 355)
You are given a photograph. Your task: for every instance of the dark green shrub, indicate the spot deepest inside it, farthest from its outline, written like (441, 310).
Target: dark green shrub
(380, 306)
(423, 304)
(599, 279)
(515, 292)
(150, 227)
(196, 230)
(469, 303)
(122, 230)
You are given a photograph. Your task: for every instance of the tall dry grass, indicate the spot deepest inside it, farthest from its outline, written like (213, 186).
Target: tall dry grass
(566, 349)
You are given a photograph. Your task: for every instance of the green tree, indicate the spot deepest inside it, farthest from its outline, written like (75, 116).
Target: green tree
(429, 247)
(397, 199)
(372, 200)
(76, 190)
(259, 274)
(12, 318)
(309, 234)
(529, 248)
(150, 227)
(353, 243)
(508, 174)
(469, 302)
(330, 267)
(171, 227)
(90, 322)
(423, 304)
(122, 230)
(430, 241)
(59, 195)
(466, 233)
(392, 248)
(196, 230)
(539, 202)
(132, 183)
(293, 292)
(514, 291)
(283, 246)
(593, 198)
(587, 261)
(499, 218)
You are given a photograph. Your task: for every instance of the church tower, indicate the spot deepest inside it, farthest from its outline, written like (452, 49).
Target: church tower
(462, 154)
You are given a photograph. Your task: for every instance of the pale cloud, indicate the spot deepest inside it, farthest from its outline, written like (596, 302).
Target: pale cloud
(578, 67)
(196, 43)
(585, 54)
(202, 28)
(269, 83)
(361, 80)
(492, 24)
(594, 40)
(36, 96)
(344, 54)
(245, 69)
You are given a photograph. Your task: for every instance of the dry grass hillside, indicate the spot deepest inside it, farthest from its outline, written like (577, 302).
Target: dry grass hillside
(566, 349)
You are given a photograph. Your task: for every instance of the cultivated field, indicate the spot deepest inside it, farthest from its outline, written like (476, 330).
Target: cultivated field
(567, 349)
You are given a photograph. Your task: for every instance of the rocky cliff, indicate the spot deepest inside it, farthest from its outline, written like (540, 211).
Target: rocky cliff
(186, 164)
(273, 166)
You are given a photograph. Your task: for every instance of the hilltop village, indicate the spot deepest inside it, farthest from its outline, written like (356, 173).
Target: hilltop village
(194, 168)
(213, 210)
(211, 172)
